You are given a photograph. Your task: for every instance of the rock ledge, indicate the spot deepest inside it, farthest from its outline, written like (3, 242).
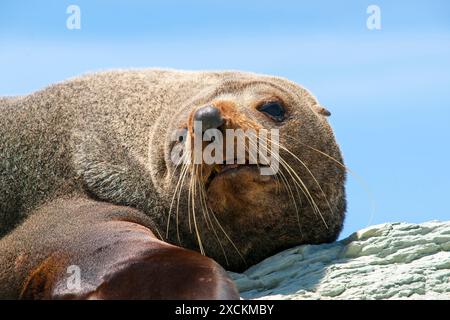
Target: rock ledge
(388, 261)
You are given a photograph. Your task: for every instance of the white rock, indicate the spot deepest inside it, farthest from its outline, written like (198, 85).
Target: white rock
(388, 261)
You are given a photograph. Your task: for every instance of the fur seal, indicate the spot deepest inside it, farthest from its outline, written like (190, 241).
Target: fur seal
(87, 179)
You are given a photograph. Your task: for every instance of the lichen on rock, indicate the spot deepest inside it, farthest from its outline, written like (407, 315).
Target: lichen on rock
(387, 261)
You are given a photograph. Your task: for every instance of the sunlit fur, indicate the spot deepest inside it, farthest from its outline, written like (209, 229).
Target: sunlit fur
(109, 136)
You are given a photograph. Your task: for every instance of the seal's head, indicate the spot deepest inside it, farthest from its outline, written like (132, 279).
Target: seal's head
(254, 169)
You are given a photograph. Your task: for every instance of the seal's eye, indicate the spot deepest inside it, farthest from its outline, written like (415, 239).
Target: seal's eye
(273, 109)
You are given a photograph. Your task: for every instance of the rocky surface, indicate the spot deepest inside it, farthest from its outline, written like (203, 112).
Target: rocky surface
(388, 261)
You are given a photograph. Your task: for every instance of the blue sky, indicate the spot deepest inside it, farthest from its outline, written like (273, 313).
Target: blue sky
(388, 90)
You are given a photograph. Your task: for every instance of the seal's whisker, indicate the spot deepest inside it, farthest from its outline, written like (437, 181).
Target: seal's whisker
(228, 237)
(317, 150)
(280, 175)
(177, 190)
(252, 142)
(203, 204)
(296, 178)
(312, 175)
(194, 218)
(177, 186)
(203, 199)
(309, 171)
(308, 195)
(181, 161)
(289, 189)
(360, 179)
(333, 159)
(286, 184)
(190, 198)
(183, 176)
(223, 231)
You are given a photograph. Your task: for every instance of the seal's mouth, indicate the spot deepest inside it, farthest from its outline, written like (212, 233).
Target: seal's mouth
(231, 170)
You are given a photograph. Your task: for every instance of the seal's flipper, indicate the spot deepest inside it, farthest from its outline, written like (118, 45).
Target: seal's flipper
(84, 249)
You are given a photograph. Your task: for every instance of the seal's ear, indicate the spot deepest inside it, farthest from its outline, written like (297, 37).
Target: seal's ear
(321, 110)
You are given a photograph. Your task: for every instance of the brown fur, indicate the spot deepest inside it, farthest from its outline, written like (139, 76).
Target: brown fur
(115, 251)
(106, 136)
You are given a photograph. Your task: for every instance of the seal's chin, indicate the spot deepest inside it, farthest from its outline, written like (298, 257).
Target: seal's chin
(236, 189)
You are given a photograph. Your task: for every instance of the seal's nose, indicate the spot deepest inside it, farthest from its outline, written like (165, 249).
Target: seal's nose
(210, 116)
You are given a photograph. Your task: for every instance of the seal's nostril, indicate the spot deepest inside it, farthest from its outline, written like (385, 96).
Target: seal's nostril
(210, 116)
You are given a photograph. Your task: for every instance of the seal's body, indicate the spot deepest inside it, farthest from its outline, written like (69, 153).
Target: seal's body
(86, 170)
